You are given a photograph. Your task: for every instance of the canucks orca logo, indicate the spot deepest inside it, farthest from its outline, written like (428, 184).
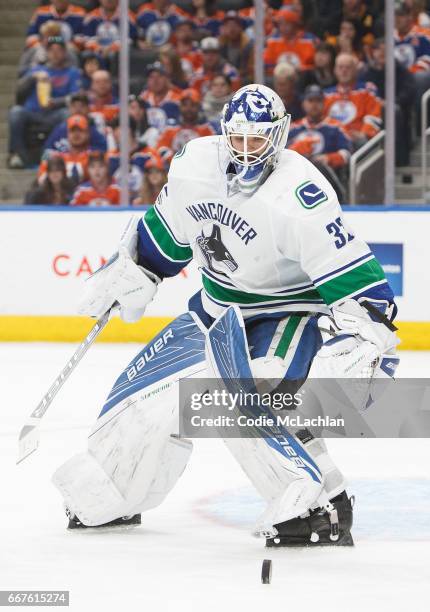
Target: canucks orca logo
(218, 258)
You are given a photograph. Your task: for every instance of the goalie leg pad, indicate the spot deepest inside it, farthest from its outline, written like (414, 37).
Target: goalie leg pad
(132, 457)
(88, 491)
(276, 460)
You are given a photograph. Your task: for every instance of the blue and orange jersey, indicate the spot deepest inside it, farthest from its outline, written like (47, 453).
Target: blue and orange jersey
(104, 111)
(191, 60)
(138, 160)
(202, 79)
(357, 108)
(211, 25)
(72, 22)
(327, 138)
(174, 138)
(413, 50)
(58, 141)
(298, 51)
(87, 195)
(162, 113)
(101, 31)
(157, 28)
(76, 165)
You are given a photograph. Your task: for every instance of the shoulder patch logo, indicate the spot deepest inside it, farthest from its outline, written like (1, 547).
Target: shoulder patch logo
(310, 195)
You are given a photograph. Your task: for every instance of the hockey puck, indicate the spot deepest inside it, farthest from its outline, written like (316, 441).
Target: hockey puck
(266, 571)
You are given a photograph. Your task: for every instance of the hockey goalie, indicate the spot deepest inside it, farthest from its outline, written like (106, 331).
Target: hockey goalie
(278, 264)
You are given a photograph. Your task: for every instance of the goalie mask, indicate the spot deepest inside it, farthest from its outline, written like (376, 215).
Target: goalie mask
(255, 128)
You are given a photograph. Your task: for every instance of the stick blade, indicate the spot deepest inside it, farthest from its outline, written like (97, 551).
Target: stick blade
(28, 442)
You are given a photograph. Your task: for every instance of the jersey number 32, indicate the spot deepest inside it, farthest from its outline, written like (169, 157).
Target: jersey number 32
(339, 233)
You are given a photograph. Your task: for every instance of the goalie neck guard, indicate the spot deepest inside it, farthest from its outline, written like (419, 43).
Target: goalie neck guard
(255, 128)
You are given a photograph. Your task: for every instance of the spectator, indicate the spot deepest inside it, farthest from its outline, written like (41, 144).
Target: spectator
(173, 139)
(187, 48)
(285, 85)
(218, 95)
(69, 16)
(156, 22)
(104, 104)
(236, 47)
(365, 20)
(43, 93)
(348, 40)
(154, 179)
(57, 141)
(206, 17)
(76, 158)
(100, 189)
(213, 63)
(412, 49)
(173, 66)
(323, 72)
(160, 98)
(405, 96)
(55, 188)
(90, 63)
(101, 29)
(138, 157)
(292, 45)
(37, 55)
(412, 46)
(353, 103)
(143, 133)
(322, 140)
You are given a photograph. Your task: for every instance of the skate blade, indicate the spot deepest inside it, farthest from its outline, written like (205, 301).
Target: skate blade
(112, 526)
(346, 540)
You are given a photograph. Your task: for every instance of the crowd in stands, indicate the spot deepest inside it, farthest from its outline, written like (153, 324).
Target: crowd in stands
(326, 60)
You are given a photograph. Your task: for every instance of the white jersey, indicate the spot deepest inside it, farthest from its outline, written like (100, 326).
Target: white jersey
(286, 247)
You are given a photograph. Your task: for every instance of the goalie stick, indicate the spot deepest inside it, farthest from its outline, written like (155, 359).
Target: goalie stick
(29, 435)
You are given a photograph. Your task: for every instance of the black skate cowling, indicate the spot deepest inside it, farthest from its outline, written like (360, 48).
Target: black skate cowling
(317, 528)
(75, 523)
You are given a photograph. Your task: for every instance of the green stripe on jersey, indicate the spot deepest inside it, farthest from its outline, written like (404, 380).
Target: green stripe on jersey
(163, 239)
(351, 282)
(213, 289)
(287, 335)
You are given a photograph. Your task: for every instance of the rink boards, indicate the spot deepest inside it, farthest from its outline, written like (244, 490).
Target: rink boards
(47, 253)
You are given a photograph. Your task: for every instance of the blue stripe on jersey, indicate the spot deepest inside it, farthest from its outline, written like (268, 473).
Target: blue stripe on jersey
(343, 268)
(149, 255)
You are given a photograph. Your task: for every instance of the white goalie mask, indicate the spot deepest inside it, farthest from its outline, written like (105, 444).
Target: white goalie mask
(257, 115)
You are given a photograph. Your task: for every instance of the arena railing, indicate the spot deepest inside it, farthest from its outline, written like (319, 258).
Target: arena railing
(362, 160)
(425, 132)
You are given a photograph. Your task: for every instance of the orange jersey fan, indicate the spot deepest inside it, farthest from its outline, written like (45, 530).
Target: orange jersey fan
(357, 108)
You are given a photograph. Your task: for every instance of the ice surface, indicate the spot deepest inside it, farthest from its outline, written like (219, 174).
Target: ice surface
(195, 551)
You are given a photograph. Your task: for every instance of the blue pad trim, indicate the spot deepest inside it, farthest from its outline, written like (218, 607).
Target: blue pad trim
(179, 346)
(230, 357)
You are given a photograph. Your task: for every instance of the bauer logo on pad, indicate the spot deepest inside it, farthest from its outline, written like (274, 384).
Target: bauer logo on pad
(310, 195)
